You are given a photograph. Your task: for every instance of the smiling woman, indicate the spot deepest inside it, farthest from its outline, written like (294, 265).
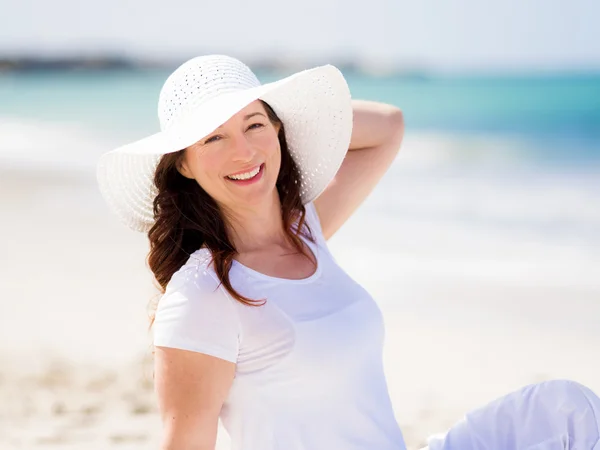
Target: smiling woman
(253, 142)
(258, 324)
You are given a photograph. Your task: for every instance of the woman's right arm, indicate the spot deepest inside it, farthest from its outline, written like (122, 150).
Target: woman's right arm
(197, 338)
(191, 388)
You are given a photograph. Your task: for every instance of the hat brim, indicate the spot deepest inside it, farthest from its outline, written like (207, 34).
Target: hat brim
(316, 111)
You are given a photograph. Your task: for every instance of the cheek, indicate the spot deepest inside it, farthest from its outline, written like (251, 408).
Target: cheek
(271, 145)
(207, 166)
(210, 165)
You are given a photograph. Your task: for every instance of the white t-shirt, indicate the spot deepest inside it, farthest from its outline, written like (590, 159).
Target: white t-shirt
(309, 366)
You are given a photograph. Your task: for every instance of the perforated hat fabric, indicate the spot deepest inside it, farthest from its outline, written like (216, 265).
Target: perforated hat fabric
(202, 94)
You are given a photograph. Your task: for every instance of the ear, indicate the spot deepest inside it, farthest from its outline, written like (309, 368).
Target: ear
(183, 168)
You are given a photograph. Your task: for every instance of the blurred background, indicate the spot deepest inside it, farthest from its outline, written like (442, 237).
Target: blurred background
(481, 245)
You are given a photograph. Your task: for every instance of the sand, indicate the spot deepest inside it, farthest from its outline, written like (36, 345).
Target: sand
(75, 362)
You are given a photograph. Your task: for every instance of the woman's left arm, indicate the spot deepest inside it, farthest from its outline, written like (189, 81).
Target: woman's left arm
(377, 133)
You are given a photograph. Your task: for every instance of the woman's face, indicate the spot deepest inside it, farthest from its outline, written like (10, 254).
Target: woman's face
(238, 164)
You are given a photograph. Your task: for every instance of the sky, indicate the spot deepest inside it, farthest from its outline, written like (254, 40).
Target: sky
(442, 35)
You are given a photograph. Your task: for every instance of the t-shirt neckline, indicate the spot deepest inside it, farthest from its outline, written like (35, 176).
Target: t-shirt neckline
(316, 274)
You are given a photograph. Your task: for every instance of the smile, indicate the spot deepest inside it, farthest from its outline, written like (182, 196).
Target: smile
(246, 177)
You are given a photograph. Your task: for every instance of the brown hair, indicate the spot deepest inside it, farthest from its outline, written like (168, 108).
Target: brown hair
(187, 218)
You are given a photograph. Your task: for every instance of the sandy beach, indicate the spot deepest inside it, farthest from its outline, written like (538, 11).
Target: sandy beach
(463, 325)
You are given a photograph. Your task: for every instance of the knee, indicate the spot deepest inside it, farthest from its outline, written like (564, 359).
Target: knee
(563, 387)
(566, 396)
(559, 384)
(554, 389)
(541, 412)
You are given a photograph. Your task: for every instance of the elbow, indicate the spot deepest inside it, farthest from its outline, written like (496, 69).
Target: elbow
(395, 119)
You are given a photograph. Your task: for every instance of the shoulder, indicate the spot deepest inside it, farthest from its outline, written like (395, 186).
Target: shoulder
(312, 219)
(196, 284)
(196, 274)
(196, 313)
(311, 215)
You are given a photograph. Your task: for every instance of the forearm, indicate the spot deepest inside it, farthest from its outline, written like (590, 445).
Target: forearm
(375, 125)
(377, 132)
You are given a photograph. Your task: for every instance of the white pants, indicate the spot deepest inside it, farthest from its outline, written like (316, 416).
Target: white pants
(552, 415)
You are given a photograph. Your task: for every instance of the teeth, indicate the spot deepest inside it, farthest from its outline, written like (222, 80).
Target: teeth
(245, 176)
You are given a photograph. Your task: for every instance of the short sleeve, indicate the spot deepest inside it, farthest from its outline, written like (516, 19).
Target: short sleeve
(195, 314)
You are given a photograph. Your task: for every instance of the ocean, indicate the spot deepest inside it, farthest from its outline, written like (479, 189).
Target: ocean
(498, 177)
(555, 119)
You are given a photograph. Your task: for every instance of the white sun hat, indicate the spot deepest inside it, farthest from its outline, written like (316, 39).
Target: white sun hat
(202, 94)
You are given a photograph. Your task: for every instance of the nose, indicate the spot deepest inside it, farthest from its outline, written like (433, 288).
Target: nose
(243, 150)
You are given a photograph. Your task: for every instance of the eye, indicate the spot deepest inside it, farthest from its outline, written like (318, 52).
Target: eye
(255, 126)
(212, 139)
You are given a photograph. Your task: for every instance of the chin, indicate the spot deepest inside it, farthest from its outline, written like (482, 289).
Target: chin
(260, 196)
(252, 196)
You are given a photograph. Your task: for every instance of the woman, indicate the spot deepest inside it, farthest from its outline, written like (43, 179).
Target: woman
(258, 325)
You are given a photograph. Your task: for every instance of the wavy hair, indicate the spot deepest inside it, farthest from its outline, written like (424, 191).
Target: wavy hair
(187, 218)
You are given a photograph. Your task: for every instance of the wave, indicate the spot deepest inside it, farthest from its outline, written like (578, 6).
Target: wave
(476, 180)
(37, 144)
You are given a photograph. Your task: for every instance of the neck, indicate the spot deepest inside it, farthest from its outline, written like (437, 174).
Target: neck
(256, 227)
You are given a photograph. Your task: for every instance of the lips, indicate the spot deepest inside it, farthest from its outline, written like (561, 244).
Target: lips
(247, 177)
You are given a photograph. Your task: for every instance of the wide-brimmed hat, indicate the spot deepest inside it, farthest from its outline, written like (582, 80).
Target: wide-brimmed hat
(202, 94)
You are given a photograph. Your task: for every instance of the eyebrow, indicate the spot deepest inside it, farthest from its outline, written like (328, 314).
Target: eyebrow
(248, 116)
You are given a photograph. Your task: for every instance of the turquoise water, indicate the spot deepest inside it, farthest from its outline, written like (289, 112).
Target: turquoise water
(558, 116)
(515, 161)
